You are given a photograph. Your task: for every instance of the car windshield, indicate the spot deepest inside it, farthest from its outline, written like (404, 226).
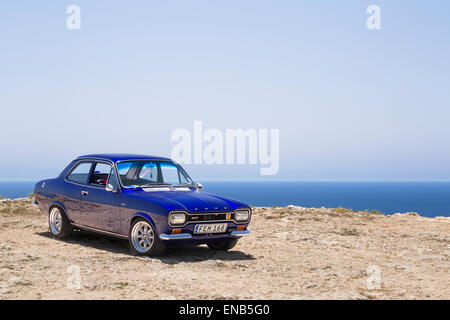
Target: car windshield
(152, 173)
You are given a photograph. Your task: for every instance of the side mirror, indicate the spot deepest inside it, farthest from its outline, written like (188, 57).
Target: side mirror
(110, 188)
(199, 186)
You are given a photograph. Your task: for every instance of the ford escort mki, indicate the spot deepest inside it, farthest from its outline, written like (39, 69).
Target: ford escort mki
(151, 201)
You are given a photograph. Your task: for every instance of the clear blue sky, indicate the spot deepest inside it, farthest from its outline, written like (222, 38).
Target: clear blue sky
(350, 103)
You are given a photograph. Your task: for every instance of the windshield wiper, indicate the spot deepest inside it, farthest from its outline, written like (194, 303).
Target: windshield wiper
(152, 185)
(182, 185)
(155, 185)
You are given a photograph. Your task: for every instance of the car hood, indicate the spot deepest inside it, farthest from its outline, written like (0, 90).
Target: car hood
(191, 201)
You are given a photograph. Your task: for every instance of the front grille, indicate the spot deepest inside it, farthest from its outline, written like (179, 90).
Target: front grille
(209, 217)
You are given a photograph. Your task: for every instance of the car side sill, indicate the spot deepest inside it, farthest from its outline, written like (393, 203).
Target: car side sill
(108, 233)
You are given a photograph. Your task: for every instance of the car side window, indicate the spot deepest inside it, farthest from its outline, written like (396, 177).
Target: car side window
(80, 173)
(100, 174)
(113, 179)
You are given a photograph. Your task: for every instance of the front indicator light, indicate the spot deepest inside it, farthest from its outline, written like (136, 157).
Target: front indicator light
(175, 231)
(240, 228)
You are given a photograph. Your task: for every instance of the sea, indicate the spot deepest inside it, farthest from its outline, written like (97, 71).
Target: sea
(428, 199)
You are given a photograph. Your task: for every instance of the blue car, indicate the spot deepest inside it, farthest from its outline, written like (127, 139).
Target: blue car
(151, 201)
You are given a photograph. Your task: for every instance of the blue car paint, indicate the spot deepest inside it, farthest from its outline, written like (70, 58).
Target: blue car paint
(113, 213)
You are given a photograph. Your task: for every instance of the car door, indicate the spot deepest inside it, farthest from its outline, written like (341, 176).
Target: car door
(100, 207)
(75, 183)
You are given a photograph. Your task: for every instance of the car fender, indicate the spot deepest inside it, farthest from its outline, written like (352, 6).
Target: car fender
(145, 216)
(56, 203)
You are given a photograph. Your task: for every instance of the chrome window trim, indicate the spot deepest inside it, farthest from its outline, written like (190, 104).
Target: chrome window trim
(74, 167)
(113, 168)
(104, 162)
(211, 221)
(92, 160)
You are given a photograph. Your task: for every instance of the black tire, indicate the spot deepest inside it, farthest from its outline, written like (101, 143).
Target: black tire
(157, 248)
(223, 245)
(66, 228)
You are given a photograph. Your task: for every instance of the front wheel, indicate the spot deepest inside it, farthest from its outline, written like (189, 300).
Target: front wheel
(58, 223)
(143, 239)
(223, 245)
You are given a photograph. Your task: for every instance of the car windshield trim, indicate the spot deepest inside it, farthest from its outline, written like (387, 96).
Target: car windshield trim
(180, 169)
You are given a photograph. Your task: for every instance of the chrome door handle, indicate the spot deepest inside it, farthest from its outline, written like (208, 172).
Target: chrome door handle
(84, 193)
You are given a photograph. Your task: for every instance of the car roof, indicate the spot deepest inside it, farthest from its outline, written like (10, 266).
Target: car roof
(116, 157)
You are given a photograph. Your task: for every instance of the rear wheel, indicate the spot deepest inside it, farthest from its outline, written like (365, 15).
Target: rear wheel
(223, 245)
(58, 223)
(143, 239)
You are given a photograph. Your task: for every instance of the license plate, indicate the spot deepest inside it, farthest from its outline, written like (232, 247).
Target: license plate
(210, 228)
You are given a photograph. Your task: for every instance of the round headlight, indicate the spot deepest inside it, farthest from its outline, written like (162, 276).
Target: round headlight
(177, 218)
(241, 215)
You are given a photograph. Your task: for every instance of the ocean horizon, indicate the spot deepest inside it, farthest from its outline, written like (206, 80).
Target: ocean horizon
(428, 199)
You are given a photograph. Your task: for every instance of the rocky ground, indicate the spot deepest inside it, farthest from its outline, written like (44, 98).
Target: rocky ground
(292, 253)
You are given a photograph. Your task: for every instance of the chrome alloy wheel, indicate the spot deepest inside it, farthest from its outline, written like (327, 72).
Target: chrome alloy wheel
(55, 220)
(142, 236)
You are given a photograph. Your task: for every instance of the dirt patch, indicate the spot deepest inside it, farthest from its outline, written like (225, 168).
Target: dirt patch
(292, 253)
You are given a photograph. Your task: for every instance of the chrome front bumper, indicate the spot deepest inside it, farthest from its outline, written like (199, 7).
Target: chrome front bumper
(179, 236)
(240, 233)
(176, 236)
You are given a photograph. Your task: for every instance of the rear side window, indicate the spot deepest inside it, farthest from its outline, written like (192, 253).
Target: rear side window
(80, 173)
